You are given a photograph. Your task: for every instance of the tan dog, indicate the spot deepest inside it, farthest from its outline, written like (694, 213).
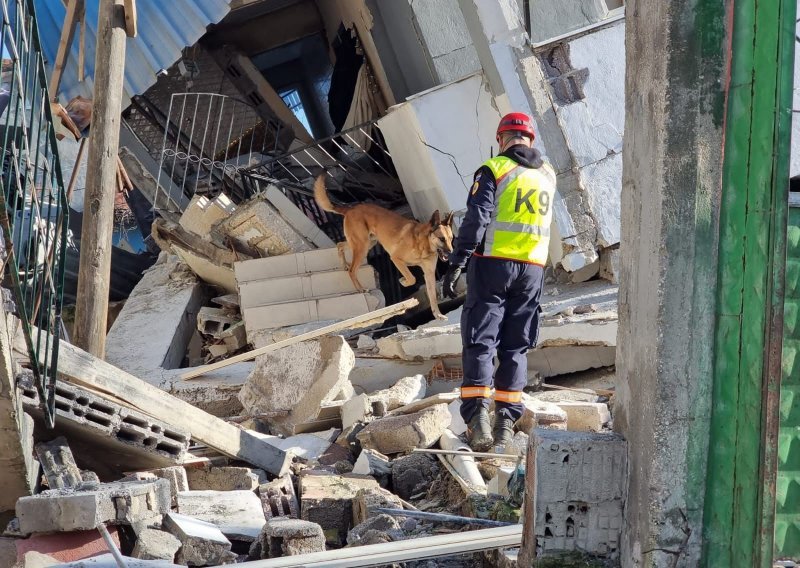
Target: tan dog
(408, 242)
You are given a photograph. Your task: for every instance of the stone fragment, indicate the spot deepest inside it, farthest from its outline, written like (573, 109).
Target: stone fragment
(413, 474)
(371, 462)
(328, 501)
(288, 537)
(211, 478)
(296, 380)
(238, 514)
(610, 265)
(367, 501)
(539, 413)
(357, 409)
(63, 510)
(586, 416)
(176, 475)
(397, 434)
(383, 523)
(153, 544)
(310, 447)
(202, 544)
(58, 464)
(365, 342)
(422, 344)
(404, 391)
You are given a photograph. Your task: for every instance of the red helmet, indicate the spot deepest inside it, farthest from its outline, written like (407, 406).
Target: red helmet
(516, 122)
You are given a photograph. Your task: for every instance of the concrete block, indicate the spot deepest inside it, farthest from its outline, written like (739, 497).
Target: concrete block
(318, 309)
(176, 475)
(259, 230)
(66, 546)
(214, 321)
(202, 544)
(539, 413)
(58, 464)
(254, 293)
(278, 498)
(397, 434)
(157, 321)
(368, 500)
(290, 537)
(586, 416)
(413, 474)
(238, 514)
(321, 260)
(64, 510)
(610, 265)
(357, 409)
(364, 533)
(575, 489)
(328, 501)
(225, 478)
(152, 544)
(403, 392)
(297, 379)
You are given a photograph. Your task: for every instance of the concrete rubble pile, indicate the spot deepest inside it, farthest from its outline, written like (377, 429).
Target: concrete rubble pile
(333, 440)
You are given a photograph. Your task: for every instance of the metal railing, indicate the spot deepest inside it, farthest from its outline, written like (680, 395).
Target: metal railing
(33, 202)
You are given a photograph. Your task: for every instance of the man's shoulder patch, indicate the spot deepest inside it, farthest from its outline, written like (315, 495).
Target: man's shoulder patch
(476, 183)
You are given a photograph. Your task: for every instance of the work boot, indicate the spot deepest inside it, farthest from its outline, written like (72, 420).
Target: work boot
(503, 431)
(479, 431)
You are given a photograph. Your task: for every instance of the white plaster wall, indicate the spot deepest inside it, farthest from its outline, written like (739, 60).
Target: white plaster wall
(438, 139)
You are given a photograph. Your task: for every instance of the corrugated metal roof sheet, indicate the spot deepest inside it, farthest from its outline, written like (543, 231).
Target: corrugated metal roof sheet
(165, 27)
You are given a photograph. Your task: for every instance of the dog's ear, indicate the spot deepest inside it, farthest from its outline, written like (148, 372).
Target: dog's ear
(436, 219)
(449, 219)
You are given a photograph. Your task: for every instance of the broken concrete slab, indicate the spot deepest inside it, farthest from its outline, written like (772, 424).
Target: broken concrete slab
(403, 392)
(210, 478)
(371, 374)
(310, 446)
(238, 514)
(108, 437)
(295, 380)
(586, 416)
(64, 510)
(168, 295)
(328, 501)
(297, 218)
(357, 409)
(256, 228)
(360, 534)
(397, 434)
(153, 544)
(202, 544)
(565, 359)
(58, 464)
(422, 404)
(203, 213)
(420, 344)
(289, 537)
(176, 475)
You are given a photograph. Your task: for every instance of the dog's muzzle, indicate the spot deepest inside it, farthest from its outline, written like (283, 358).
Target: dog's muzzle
(443, 255)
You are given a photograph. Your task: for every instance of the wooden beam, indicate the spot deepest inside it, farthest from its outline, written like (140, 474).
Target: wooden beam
(82, 45)
(365, 320)
(130, 18)
(94, 272)
(78, 367)
(74, 8)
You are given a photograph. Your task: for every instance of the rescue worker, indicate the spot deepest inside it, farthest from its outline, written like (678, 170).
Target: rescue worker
(505, 233)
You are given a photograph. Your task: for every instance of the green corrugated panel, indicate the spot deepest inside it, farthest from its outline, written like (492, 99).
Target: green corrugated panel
(787, 490)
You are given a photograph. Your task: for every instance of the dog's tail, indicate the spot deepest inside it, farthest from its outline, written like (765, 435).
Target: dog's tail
(322, 199)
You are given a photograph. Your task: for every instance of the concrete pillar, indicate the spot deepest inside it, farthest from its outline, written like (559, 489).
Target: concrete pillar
(17, 465)
(704, 187)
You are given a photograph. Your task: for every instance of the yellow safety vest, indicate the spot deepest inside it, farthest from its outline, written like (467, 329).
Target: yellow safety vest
(520, 225)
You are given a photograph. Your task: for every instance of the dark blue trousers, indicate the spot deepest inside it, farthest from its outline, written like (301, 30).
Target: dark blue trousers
(500, 317)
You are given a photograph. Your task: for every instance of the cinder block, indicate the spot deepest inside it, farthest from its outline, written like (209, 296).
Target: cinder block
(108, 423)
(318, 309)
(320, 260)
(153, 544)
(225, 478)
(575, 486)
(58, 464)
(268, 291)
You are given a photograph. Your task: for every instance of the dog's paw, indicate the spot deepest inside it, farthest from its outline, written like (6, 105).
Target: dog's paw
(406, 283)
(440, 316)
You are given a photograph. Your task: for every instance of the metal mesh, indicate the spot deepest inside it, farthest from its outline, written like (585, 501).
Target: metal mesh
(33, 202)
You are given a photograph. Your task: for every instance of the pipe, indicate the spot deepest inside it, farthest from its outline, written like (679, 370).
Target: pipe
(442, 518)
(112, 546)
(465, 465)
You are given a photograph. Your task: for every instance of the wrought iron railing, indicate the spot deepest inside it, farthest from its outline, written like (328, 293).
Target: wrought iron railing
(33, 202)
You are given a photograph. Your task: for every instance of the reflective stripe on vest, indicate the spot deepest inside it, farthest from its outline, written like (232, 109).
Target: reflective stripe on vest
(520, 225)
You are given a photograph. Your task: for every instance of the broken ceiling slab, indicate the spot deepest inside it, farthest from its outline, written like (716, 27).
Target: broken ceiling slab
(156, 322)
(203, 213)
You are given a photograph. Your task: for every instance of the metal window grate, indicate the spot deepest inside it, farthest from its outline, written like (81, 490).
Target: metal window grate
(33, 202)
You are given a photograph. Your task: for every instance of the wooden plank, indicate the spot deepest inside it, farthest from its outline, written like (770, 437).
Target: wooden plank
(82, 369)
(130, 18)
(371, 318)
(82, 45)
(94, 272)
(74, 8)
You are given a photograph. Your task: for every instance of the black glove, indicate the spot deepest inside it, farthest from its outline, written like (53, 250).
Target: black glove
(449, 281)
